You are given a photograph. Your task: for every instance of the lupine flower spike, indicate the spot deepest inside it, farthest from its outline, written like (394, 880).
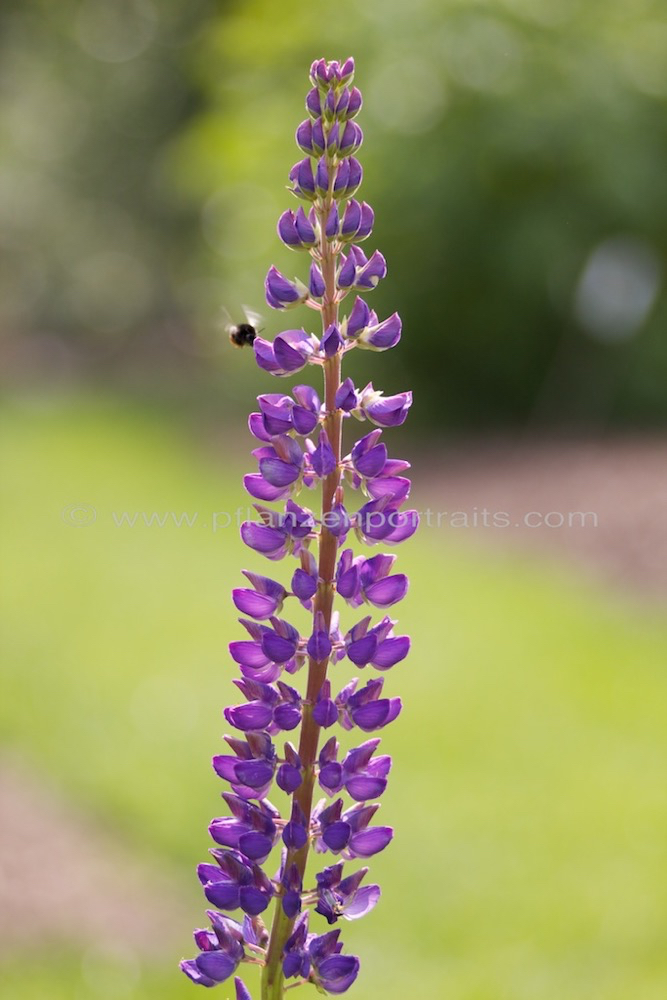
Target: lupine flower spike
(288, 741)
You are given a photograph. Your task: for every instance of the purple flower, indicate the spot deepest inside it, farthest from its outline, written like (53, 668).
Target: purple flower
(319, 644)
(325, 710)
(348, 832)
(287, 230)
(354, 177)
(298, 437)
(354, 103)
(275, 415)
(250, 771)
(365, 776)
(304, 226)
(295, 835)
(306, 411)
(242, 992)
(271, 542)
(316, 282)
(296, 230)
(319, 956)
(296, 960)
(267, 708)
(264, 600)
(350, 139)
(221, 951)
(304, 584)
(358, 319)
(351, 219)
(250, 829)
(292, 890)
(346, 396)
(367, 220)
(288, 353)
(347, 272)
(342, 179)
(333, 223)
(322, 458)
(368, 456)
(357, 222)
(381, 520)
(235, 883)
(303, 181)
(343, 897)
(385, 411)
(382, 336)
(370, 273)
(362, 775)
(281, 293)
(290, 772)
(335, 973)
(280, 463)
(369, 580)
(367, 710)
(314, 103)
(378, 645)
(322, 177)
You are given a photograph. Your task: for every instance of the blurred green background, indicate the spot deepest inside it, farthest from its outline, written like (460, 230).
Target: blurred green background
(514, 157)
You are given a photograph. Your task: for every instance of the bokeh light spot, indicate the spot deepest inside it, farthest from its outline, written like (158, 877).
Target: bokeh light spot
(482, 54)
(645, 57)
(238, 221)
(115, 32)
(617, 288)
(407, 95)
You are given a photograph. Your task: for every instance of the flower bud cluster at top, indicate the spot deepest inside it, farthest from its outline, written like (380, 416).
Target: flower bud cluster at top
(299, 438)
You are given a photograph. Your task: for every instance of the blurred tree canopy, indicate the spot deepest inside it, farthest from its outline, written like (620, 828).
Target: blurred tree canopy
(514, 157)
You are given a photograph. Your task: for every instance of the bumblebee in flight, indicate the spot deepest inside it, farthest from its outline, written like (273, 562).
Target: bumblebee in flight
(243, 334)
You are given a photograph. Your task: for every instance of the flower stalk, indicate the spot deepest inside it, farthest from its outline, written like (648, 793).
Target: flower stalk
(291, 955)
(272, 983)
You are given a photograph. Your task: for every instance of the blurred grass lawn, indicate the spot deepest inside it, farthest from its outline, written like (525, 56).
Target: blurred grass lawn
(528, 786)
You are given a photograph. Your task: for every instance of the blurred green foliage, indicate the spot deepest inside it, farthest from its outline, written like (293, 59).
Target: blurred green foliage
(527, 790)
(514, 157)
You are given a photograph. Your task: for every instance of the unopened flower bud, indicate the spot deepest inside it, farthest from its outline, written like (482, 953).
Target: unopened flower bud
(366, 224)
(342, 178)
(317, 136)
(332, 341)
(347, 70)
(281, 293)
(333, 139)
(383, 336)
(316, 284)
(333, 223)
(351, 220)
(350, 139)
(329, 106)
(303, 182)
(355, 177)
(322, 177)
(304, 228)
(314, 103)
(354, 103)
(287, 230)
(304, 136)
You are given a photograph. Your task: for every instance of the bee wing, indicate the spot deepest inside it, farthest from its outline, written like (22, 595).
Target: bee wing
(253, 318)
(226, 321)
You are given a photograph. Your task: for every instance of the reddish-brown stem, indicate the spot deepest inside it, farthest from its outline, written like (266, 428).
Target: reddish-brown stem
(272, 980)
